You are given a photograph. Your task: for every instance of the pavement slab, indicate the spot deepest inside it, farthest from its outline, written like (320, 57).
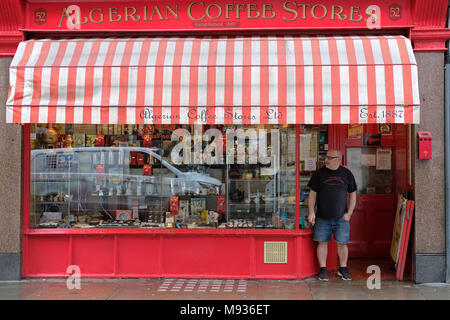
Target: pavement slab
(220, 289)
(232, 289)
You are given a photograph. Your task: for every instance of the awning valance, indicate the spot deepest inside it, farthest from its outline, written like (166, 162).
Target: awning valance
(215, 80)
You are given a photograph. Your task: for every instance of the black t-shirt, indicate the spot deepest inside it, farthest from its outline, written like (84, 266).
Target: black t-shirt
(332, 187)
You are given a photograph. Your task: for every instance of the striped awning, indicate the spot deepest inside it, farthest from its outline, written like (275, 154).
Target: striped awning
(215, 80)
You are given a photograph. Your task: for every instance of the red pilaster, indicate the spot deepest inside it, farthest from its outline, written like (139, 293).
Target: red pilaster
(429, 18)
(11, 19)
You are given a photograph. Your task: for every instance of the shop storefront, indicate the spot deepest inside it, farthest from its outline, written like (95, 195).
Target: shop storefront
(177, 139)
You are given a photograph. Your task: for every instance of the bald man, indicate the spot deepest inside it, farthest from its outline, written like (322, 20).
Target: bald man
(329, 188)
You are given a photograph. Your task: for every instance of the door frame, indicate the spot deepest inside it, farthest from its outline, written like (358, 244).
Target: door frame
(376, 223)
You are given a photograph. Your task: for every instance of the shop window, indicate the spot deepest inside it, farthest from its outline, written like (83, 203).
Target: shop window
(261, 163)
(159, 176)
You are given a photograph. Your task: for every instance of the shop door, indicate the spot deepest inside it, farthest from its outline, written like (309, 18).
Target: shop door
(371, 224)
(371, 158)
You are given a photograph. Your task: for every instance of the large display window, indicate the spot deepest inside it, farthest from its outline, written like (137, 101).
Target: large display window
(172, 176)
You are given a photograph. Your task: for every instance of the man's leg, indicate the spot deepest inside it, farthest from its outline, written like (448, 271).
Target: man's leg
(322, 252)
(343, 254)
(342, 237)
(322, 234)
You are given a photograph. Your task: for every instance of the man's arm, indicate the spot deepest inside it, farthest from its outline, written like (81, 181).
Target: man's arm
(311, 206)
(351, 206)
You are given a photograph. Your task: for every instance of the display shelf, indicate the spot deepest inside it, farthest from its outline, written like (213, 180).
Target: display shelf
(260, 204)
(259, 180)
(172, 231)
(247, 204)
(255, 180)
(250, 165)
(55, 180)
(130, 195)
(52, 202)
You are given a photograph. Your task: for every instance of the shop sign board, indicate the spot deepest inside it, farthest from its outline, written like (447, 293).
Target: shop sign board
(215, 15)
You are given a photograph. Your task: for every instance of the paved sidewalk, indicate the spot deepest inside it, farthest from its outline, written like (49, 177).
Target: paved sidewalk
(220, 289)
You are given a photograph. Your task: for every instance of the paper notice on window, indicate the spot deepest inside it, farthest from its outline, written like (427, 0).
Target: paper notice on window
(368, 160)
(384, 156)
(305, 146)
(291, 147)
(310, 164)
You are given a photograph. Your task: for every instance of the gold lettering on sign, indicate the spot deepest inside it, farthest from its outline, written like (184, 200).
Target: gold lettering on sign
(113, 11)
(267, 8)
(189, 11)
(158, 12)
(339, 14)
(145, 14)
(313, 11)
(172, 11)
(252, 7)
(287, 9)
(228, 7)
(128, 14)
(353, 11)
(85, 20)
(91, 15)
(73, 16)
(239, 8)
(303, 6)
(219, 11)
(202, 10)
(65, 14)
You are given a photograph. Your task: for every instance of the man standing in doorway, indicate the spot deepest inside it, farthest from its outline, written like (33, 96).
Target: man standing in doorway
(329, 188)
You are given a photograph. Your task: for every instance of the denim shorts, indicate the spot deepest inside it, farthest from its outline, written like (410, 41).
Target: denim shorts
(339, 227)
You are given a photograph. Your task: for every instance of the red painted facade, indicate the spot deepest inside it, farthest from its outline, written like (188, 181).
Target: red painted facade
(194, 253)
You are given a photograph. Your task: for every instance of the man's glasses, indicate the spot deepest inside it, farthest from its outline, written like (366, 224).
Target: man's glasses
(331, 158)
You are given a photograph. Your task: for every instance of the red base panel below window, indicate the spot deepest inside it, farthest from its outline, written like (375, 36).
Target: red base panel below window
(169, 254)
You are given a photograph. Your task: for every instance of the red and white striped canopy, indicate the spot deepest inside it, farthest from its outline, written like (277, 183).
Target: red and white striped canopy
(215, 80)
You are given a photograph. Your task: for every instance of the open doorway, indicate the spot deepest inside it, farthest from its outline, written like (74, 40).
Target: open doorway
(378, 156)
